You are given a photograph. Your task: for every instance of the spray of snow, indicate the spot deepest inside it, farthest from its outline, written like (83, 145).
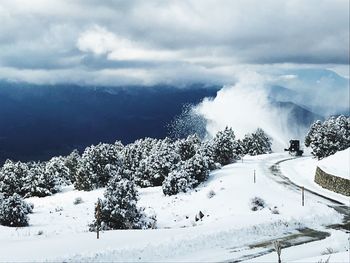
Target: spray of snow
(245, 107)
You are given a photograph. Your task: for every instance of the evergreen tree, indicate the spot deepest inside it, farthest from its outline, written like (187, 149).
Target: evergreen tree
(40, 182)
(178, 181)
(56, 168)
(187, 148)
(94, 166)
(14, 211)
(198, 168)
(160, 161)
(119, 207)
(329, 137)
(12, 177)
(224, 147)
(72, 163)
(256, 143)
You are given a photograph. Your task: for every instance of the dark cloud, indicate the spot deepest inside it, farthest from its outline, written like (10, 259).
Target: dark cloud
(166, 40)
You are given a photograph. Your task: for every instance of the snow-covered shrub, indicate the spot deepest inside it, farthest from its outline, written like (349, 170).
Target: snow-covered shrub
(211, 194)
(206, 151)
(12, 177)
(256, 143)
(186, 148)
(197, 168)
(40, 181)
(95, 165)
(257, 203)
(14, 211)
(133, 153)
(118, 209)
(56, 168)
(160, 161)
(329, 137)
(58, 209)
(178, 181)
(274, 210)
(78, 201)
(224, 147)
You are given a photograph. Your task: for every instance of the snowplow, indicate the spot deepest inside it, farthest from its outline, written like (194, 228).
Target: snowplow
(294, 148)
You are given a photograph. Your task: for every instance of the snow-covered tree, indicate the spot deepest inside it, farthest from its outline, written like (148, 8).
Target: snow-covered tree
(329, 137)
(178, 181)
(256, 143)
(40, 181)
(198, 168)
(12, 177)
(188, 147)
(56, 168)
(72, 163)
(159, 162)
(14, 211)
(134, 153)
(94, 166)
(190, 173)
(206, 149)
(118, 209)
(224, 147)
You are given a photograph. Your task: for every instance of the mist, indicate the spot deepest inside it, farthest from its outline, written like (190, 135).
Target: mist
(246, 106)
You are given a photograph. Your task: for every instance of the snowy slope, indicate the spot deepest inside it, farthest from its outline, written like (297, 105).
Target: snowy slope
(337, 164)
(228, 222)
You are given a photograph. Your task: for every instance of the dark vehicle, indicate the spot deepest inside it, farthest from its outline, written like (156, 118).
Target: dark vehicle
(294, 148)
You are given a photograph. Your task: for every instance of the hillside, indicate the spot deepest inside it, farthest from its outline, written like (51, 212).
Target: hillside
(58, 228)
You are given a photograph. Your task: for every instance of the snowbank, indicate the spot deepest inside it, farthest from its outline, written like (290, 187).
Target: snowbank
(337, 164)
(301, 171)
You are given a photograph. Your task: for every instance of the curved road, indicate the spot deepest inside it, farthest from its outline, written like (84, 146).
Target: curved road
(305, 235)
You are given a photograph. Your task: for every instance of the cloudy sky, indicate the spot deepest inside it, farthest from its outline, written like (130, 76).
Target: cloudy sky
(146, 42)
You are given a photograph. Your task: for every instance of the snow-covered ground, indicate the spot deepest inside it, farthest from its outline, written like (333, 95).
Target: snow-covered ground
(58, 228)
(302, 172)
(337, 164)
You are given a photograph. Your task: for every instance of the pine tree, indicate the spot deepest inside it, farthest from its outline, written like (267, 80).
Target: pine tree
(198, 168)
(93, 171)
(119, 207)
(224, 147)
(178, 181)
(72, 163)
(13, 211)
(156, 166)
(256, 143)
(187, 148)
(12, 177)
(329, 137)
(56, 168)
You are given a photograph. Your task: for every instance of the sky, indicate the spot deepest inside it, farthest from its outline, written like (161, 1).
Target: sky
(102, 42)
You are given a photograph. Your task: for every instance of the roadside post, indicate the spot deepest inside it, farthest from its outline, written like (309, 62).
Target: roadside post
(302, 196)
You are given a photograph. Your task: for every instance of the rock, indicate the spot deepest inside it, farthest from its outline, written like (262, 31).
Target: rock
(199, 216)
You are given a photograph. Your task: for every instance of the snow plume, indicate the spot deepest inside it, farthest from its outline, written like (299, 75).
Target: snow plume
(245, 107)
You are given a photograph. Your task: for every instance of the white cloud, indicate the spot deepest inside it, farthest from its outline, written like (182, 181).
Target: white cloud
(100, 41)
(189, 40)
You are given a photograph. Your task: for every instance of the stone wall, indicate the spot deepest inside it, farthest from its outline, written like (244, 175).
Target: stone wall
(331, 182)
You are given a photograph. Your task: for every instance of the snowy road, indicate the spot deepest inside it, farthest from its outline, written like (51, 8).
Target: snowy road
(305, 235)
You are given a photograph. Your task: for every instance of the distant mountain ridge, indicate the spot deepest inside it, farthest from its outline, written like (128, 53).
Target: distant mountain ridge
(40, 121)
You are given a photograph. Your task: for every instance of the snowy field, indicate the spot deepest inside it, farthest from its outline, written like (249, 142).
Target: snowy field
(58, 228)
